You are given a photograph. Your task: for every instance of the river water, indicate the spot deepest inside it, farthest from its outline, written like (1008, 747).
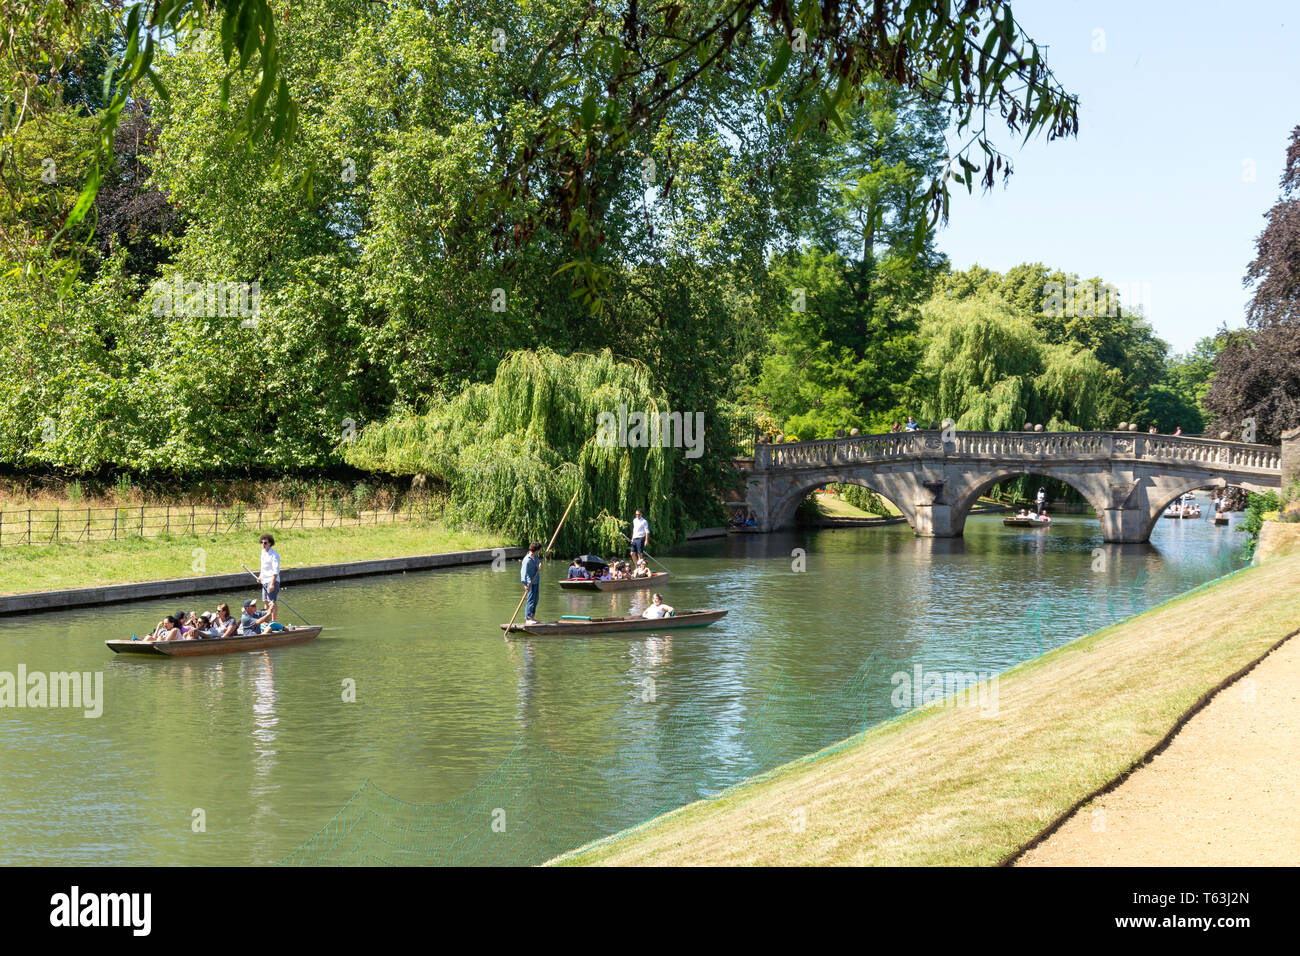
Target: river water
(460, 746)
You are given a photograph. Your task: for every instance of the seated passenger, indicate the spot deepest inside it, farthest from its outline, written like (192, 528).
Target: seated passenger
(576, 570)
(167, 630)
(250, 622)
(658, 609)
(642, 569)
(751, 521)
(223, 624)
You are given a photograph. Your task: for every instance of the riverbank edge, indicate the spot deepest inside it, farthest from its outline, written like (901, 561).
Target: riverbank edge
(36, 602)
(62, 599)
(582, 855)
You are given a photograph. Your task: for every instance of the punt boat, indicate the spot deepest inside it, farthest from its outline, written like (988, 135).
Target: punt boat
(217, 645)
(600, 625)
(1025, 523)
(630, 584)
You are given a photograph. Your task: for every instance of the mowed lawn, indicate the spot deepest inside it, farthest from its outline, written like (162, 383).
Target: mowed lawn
(947, 786)
(50, 567)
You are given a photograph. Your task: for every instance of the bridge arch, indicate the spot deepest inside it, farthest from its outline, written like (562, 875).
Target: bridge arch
(783, 509)
(963, 497)
(1170, 490)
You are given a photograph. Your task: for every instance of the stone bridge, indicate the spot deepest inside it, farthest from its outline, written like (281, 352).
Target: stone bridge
(934, 478)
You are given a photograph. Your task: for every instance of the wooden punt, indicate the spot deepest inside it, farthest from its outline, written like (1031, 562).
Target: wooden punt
(600, 625)
(216, 645)
(1025, 523)
(631, 584)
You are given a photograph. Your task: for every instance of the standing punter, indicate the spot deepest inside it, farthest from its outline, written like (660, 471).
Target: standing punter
(530, 576)
(270, 576)
(640, 535)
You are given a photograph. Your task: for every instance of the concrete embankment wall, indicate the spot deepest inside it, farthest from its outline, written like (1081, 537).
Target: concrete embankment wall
(239, 583)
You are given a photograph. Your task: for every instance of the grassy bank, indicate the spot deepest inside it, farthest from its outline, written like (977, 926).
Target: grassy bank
(947, 786)
(51, 567)
(833, 506)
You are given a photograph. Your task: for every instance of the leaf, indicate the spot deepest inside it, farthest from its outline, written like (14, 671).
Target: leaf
(777, 68)
(228, 29)
(588, 111)
(158, 84)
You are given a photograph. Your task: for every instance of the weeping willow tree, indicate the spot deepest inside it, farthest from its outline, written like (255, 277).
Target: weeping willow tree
(988, 368)
(513, 453)
(979, 364)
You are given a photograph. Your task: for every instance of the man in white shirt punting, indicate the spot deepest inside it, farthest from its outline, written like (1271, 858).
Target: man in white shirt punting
(270, 576)
(640, 535)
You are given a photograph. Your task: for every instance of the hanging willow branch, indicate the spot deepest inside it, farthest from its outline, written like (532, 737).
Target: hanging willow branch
(514, 452)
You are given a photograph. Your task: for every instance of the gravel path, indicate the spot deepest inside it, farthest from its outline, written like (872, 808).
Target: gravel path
(1224, 793)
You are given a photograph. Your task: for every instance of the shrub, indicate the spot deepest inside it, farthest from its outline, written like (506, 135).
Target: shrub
(1257, 507)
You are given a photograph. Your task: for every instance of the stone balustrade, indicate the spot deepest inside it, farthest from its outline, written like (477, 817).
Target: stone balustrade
(1055, 447)
(935, 477)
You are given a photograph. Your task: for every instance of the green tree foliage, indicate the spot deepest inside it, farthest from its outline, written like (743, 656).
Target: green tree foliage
(986, 367)
(843, 345)
(1257, 371)
(513, 453)
(1088, 314)
(594, 77)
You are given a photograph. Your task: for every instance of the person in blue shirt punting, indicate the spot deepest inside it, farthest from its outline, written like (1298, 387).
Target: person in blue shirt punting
(530, 576)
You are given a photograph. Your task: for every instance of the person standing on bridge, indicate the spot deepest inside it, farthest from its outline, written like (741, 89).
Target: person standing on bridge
(911, 424)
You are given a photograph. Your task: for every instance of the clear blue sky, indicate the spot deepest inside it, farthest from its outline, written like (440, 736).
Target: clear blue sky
(1185, 102)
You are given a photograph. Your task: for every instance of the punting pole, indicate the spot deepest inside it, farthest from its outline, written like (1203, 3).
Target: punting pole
(545, 552)
(647, 554)
(278, 601)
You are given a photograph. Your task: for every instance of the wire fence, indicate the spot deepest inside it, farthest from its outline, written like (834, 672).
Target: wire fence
(41, 526)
